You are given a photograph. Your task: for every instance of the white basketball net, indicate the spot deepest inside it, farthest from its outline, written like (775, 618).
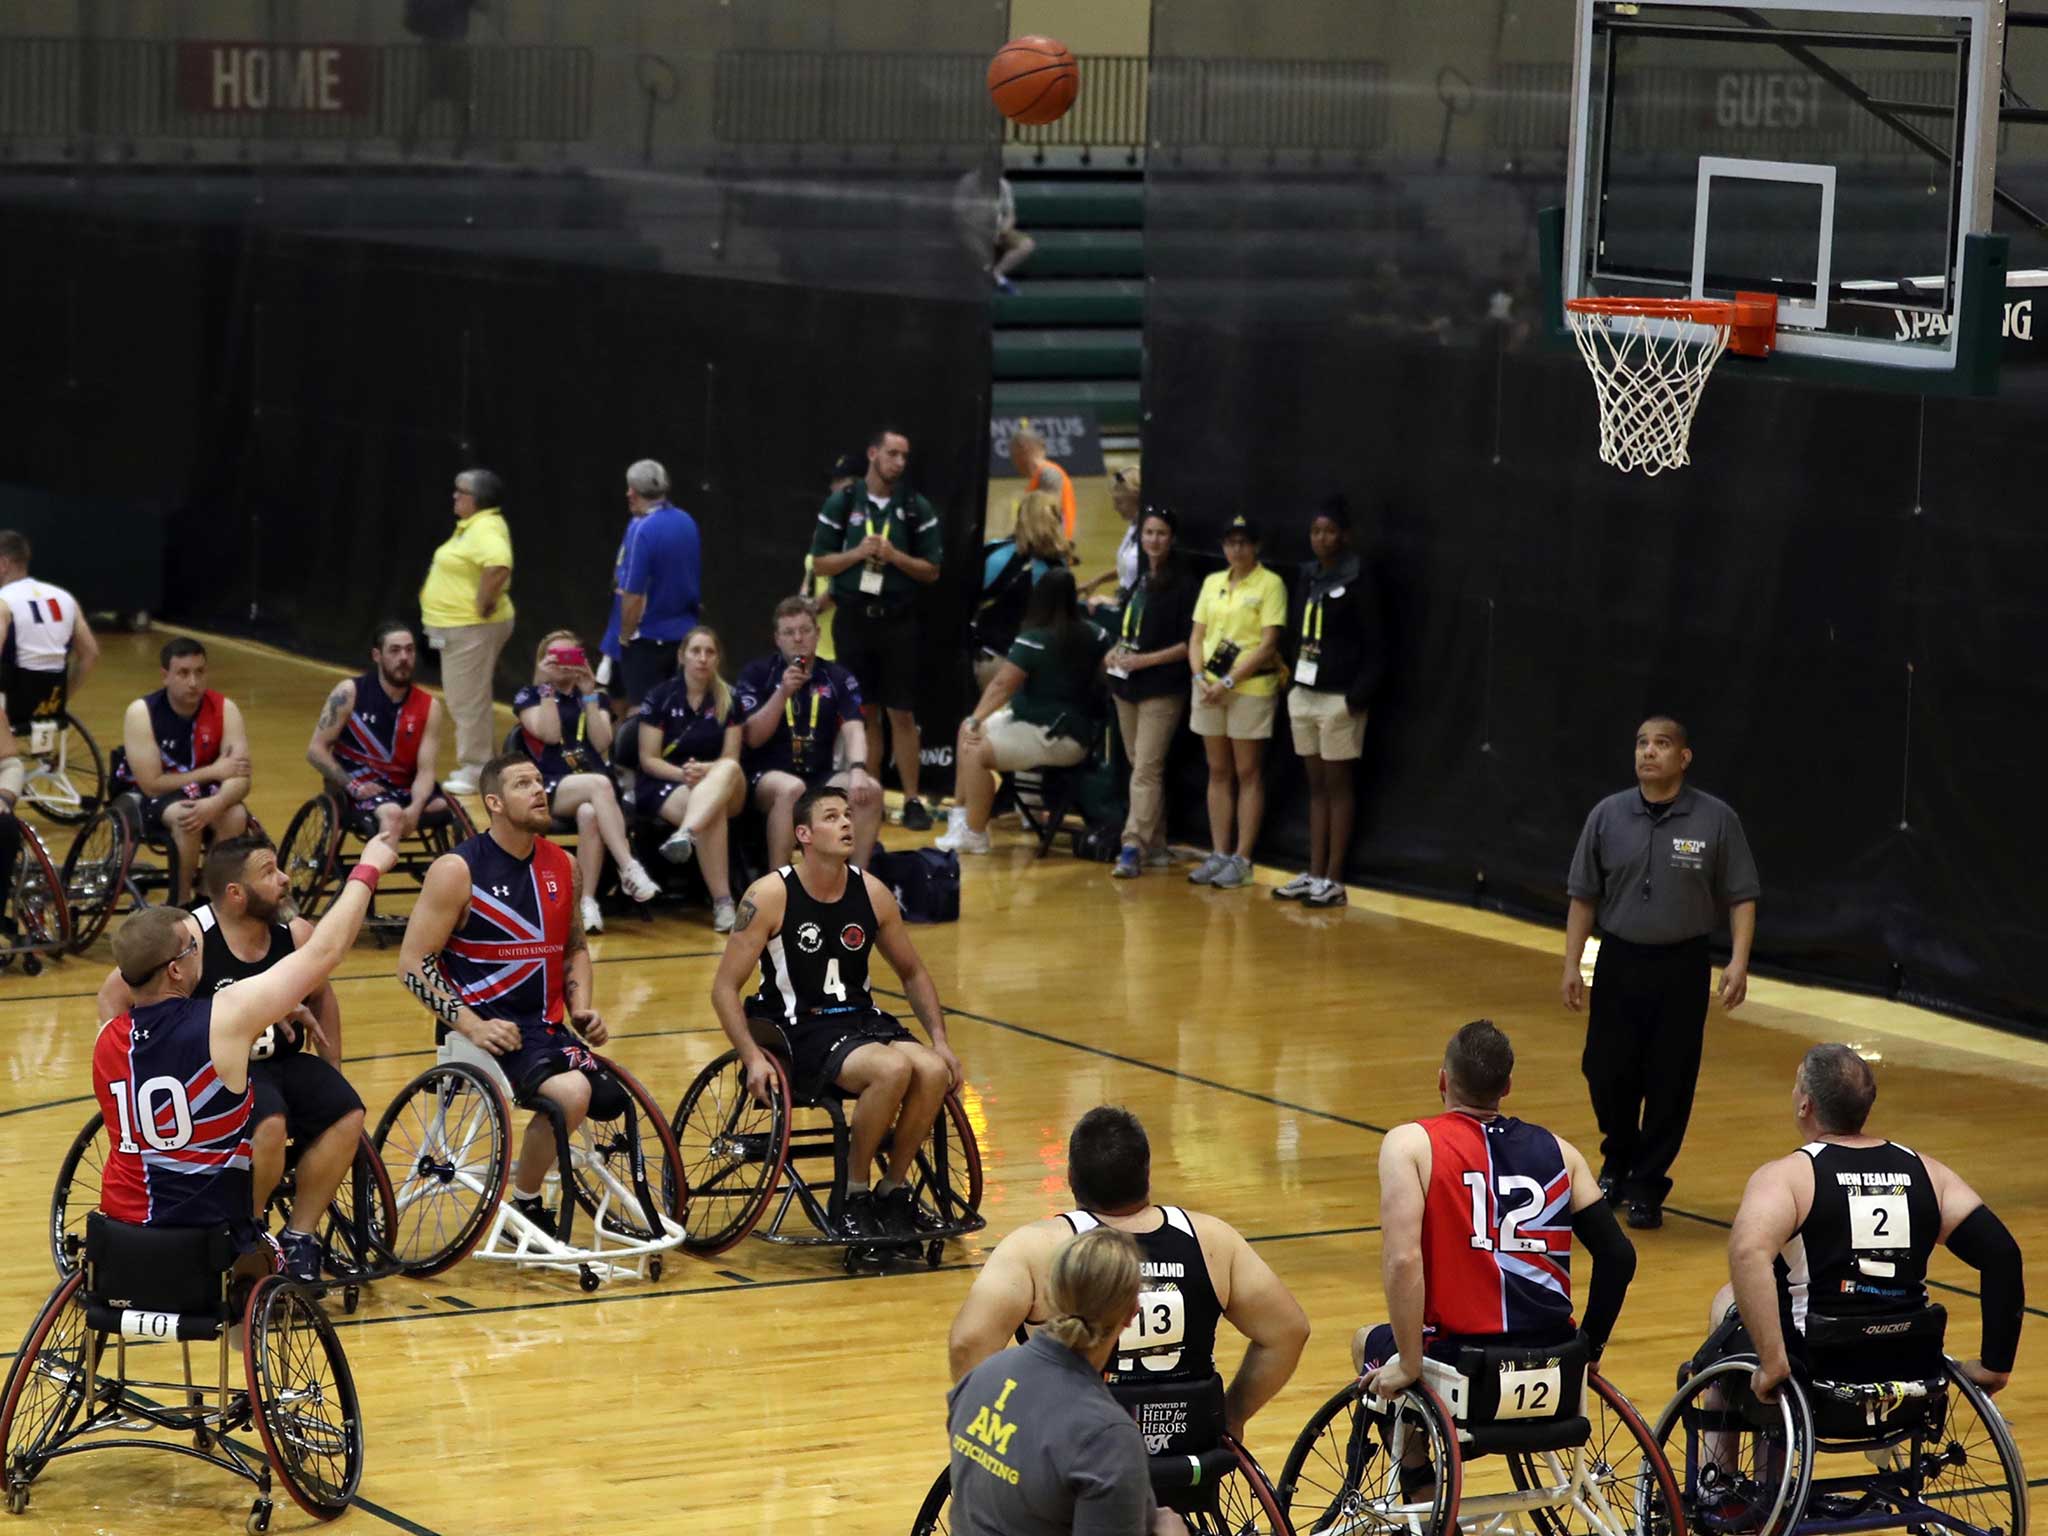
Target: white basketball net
(1648, 374)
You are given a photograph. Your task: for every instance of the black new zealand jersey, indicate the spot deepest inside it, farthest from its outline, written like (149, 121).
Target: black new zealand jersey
(817, 962)
(222, 967)
(1173, 1337)
(1865, 1243)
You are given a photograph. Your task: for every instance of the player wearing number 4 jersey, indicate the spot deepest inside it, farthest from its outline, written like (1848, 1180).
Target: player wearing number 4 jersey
(1477, 1215)
(1195, 1270)
(1846, 1225)
(171, 1072)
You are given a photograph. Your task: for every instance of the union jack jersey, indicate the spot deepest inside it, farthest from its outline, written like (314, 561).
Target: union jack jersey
(1496, 1228)
(508, 958)
(181, 1137)
(381, 740)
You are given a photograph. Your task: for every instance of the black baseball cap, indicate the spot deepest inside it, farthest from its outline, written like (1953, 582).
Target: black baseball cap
(1241, 527)
(854, 464)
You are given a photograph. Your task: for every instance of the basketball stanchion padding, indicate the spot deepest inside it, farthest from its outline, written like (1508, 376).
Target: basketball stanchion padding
(1650, 359)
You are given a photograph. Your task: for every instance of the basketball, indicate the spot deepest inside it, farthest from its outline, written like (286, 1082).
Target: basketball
(1033, 80)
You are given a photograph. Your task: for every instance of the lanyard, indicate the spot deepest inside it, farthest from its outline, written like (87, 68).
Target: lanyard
(1134, 617)
(789, 714)
(1312, 622)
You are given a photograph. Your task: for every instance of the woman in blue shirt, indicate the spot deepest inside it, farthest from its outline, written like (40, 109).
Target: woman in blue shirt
(1010, 569)
(690, 766)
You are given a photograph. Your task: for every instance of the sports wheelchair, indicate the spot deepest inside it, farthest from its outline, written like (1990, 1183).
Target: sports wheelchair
(329, 827)
(1926, 1448)
(1579, 1459)
(67, 773)
(111, 867)
(42, 917)
(447, 1147)
(354, 1236)
(1197, 1470)
(736, 1153)
(74, 1386)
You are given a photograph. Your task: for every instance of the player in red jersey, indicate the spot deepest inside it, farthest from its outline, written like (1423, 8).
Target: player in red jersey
(1477, 1214)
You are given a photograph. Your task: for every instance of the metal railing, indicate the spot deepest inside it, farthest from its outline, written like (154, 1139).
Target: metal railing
(128, 89)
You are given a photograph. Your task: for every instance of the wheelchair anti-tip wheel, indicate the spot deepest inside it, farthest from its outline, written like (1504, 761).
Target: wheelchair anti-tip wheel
(1345, 1470)
(303, 1397)
(445, 1143)
(732, 1150)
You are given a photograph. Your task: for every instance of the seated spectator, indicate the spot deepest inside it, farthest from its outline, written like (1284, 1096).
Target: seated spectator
(1126, 497)
(185, 753)
(1145, 670)
(1336, 668)
(796, 711)
(1234, 653)
(1010, 568)
(1040, 710)
(688, 755)
(565, 729)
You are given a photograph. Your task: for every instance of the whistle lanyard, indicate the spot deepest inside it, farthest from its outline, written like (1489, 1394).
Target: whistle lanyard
(801, 740)
(1312, 624)
(671, 749)
(1134, 618)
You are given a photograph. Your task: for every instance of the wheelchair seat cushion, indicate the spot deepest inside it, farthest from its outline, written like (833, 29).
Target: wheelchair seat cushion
(1868, 1372)
(158, 1269)
(1177, 1418)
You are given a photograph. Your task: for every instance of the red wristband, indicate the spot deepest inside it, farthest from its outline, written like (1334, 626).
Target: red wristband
(368, 874)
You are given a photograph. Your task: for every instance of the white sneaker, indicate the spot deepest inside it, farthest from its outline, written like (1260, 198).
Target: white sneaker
(636, 882)
(593, 919)
(961, 838)
(462, 781)
(723, 916)
(956, 823)
(680, 847)
(1159, 858)
(1298, 889)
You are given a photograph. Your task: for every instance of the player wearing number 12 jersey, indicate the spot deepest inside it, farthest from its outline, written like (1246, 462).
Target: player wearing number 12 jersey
(1477, 1215)
(1194, 1271)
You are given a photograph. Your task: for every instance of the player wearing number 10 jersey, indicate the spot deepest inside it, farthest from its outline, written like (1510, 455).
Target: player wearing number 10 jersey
(1477, 1214)
(1194, 1270)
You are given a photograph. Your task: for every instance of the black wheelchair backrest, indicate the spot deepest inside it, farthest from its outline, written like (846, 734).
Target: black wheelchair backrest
(1876, 1347)
(1177, 1418)
(156, 1269)
(1512, 1384)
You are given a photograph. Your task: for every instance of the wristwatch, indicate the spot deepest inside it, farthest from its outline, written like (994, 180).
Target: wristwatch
(1229, 681)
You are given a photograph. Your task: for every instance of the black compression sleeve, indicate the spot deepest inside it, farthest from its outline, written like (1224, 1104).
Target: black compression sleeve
(1981, 1241)
(1614, 1265)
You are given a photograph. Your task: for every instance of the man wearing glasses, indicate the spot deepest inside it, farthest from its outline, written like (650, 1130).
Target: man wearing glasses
(1658, 867)
(171, 1072)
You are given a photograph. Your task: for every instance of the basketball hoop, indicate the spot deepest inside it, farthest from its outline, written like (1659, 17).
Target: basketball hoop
(1648, 371)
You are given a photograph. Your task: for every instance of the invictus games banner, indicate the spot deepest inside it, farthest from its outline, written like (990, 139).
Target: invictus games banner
(1073, 440)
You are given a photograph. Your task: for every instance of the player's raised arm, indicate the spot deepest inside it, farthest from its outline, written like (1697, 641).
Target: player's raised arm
(758, 918)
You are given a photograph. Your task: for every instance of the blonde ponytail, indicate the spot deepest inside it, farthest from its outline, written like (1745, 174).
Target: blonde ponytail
(1094, 1283)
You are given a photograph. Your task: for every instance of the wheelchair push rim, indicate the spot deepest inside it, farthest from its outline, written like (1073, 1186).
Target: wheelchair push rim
(1790, 1417)
(931, 1514)
(446, 1188)
(303, 1397)
(605, 1145)
(357, 1229)
(307, 853)
(949, 1152)
(1239, 1503)
(41, 913)
(1335, 1462)
(47, 1385)
(1643, 1500)
(732, 1151)
(77, 1193)
(1971, 1478)
(95, 874)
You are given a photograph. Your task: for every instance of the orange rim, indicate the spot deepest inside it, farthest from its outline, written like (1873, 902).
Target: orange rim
(1699, 311)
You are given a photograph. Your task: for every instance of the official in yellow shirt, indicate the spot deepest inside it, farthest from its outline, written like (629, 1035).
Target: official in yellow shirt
(1234, 653)
(467, 614)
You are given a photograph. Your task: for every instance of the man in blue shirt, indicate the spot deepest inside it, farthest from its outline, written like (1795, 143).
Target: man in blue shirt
(637, 508)
(659, 592)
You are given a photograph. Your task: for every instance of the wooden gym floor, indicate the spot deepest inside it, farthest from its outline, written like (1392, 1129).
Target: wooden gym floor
(1264, 1046)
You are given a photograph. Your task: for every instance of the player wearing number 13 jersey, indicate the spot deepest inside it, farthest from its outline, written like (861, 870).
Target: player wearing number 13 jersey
(1477, 1215)
(1194, 1270)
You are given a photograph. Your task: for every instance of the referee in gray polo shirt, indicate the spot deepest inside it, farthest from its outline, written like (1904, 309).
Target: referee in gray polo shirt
(1040, 1448)
(1657, 866)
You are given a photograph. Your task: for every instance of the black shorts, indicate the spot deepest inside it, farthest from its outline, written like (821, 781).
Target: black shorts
(362, 814)
(644, 666)
(33, 696)
(820, 1045)
(306, 1089)
(154, 806)
(881, 653)
(550, 1051)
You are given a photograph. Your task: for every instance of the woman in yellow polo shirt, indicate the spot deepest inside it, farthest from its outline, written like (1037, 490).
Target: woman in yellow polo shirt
(1234, 653)
(468, 618)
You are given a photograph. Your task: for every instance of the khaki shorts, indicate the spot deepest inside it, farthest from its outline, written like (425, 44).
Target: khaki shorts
(1017, 744)
(1242, 717)
(1324, 725)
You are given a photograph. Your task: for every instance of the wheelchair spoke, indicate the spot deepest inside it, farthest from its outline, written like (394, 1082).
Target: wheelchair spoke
(1966, 1470)
(443, 1147)
(308, 1410)
(731, 1150)
(49, 1381)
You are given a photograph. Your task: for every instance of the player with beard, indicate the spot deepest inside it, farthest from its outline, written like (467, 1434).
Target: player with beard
(379, 736)
(298, 1094)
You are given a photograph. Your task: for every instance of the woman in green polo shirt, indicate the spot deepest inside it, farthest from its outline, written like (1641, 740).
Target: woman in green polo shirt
(1234, 653)
(1042, 709)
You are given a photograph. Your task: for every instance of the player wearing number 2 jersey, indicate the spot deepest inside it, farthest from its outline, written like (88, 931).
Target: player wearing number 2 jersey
(1845, 1226)
(1194, 1269)
(1477, 1215)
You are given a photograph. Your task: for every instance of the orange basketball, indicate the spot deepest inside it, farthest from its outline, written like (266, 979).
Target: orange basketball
(1033, 80)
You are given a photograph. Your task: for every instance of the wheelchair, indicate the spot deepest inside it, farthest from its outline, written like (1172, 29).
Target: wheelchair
(328, 827)
(1579, 1460)
(354, 1237)
(737, 1152)
(112, 867)
(42, 916)
(67, 773)
(1914, 1444)
(1197, 1470)
(447, 1146)
(76, 1385)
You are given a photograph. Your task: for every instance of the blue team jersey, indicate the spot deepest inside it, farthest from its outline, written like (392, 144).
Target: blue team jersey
(181, 1137)
(508, 956)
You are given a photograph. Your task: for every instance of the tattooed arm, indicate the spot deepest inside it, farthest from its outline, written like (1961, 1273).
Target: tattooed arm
(444, 895)
(758, 920)
(577, 995)
(333, 717)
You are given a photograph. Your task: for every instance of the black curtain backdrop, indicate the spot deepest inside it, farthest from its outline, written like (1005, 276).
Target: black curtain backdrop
(302, 403)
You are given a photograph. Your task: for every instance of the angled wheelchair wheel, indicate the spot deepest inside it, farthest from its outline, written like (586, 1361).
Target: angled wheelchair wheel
(47, 1386)
(68, 783)
(1968, 1475)
(41, 914)
(442, 836)
(931, 1514)
(307, 853)
(1344, 1472)
(945, 1180)
(1239, 1503)
(77, 1194)
(1628, 1490)
(604, 1171)
(361, 1220)
(1743, 1467)
(732, 1151)
(446, 1146)
(302, 1397)
(95, 870)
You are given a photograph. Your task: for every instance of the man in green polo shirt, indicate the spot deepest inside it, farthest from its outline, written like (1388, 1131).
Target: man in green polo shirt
(879, 542)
